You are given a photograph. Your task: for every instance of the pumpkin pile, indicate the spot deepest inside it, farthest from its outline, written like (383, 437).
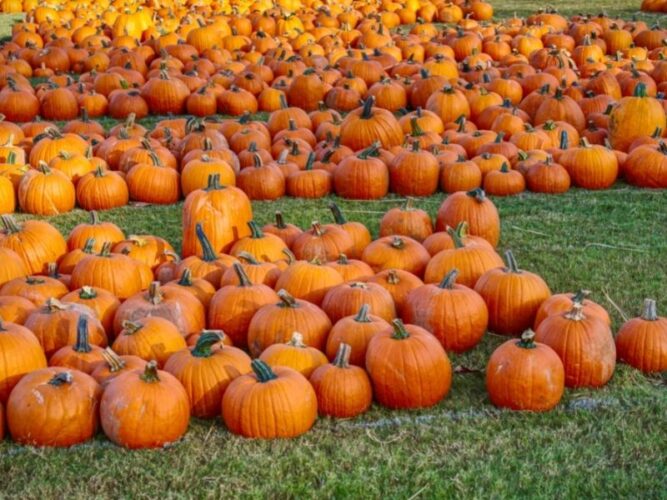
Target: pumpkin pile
(361, 99)
(133, 338)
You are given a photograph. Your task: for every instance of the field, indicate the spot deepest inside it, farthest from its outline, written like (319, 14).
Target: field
(598, 443)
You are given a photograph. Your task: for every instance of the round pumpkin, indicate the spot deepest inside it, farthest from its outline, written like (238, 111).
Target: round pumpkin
(642, 342)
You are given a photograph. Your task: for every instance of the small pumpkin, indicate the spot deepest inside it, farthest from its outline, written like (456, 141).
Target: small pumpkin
(294, 354)
(82, 355)
(150, 338)
(642, 342)
(356, 331)
(474, 208)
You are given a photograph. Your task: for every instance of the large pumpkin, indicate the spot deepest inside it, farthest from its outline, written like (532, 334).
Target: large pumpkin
(474, 208)
(635, 116)
(367, 125)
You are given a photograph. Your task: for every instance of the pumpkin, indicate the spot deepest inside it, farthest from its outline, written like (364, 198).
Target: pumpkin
(37, 289)
(100, 232)
(504, 182)
(408, 367)
(211, 266)
(548, 177)
(285, 231)
(396, 252)
(642, 342)
(362, 176)
(12, 266)
(308, 280)
(357, 231)
(233, 306)
(144, 409)
(275, 324)
(414, 172)
(247, 406)
(647, 167)
(406, 221)
(54, 407)
(265, 247)
(455, 314)
(102, 190)
(367, 124)
(356, 331)
(15, 309)
(563, 302)
(324, 243)
(474, 208)
(201, 289)
(46, 192)
(294, 354)
(635, 116)
(345, 299)
(584, 344)
(115, 365)
(525, 375)
(513, 297)
(20, 352)
(82, 355)
(176, 305)
(590, 166)
(149, 338)
(343, 390)
(36, 242)
(205, 372)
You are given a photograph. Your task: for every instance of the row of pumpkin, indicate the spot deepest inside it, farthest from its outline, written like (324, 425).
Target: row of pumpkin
(309, 313)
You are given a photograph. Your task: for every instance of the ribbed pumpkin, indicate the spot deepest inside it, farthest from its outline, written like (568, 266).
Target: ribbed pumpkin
(414, 172)
(585, 345)
(46, 192)
(308, 280)
(150, 338)
(642, 342)
(590, 166)
(525, 375)
(36, 242)
(396, 252)
(20, 353)
(100, 232)
(398, 283)
(115, 365)
(563, 302)
(82, 355)
(513, 297)
(54, 407)
(363, 176)
(324, 243)
(285, 231)
(275, 324)
(343, 390)
(474, 208)
(15, 309)
(205, 372)
(249, 402)
(346, 299)
(408, 367)
(635, 116)
(233, 306)
(455, 314)
(144, 409)
(367, 124)
(355, 330)
(37, 289)
(358, 232)
(265, 247)
(294, 354)
(12, 266)
(406, 221)
(351, 269)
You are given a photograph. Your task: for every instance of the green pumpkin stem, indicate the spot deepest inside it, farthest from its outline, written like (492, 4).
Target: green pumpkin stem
(255, 230)
(342, 359)
(10, 224)
(640, 90)
(61, 379)
(512, 265)
(338, 216)
(527, 340)
(262, 371)
(131, 327)
(208, 254)
(372, 151)
(449, 280)
(400, 332)
(249, 258)
(244, 280)
(650, 312)
(205, 342)
(367, 110)
(362, 315)
(213, 182)
(150, 374)
(87, 293)
(82, 343)
(580, 296)
(186, 277)
(280, 220)
(310, 161)
(478, 194)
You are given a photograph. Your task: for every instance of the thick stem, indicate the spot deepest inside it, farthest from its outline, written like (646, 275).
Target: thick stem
(367, 110)
(317, 229)
(400, 332)
(580, 296)
(150, 374)
(244, 280)
(249, 258)
(286, 300)
(113, 360)
(338, 216)
(576, 313)
(342, 260)
(650, 312)
(456, 237)
(154, 293)
(392, 277)
(310, 161)
(208, 254)
(296, 340)
(398, 243)
(262, 371)
(362, 315)
(213, 182)
(342, 359)
(87, 293)
(478, 194)
(280, 220)
(449, 280)
(131, 327)
(527, 340)
(61, 379)
(186, 277)
(205, 342)
(82, 343)
(512, 266)
(255, 230)
(10, 224)
(640, 90)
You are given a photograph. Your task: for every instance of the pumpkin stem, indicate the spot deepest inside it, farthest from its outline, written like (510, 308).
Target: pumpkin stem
(362, 315)
(456, 237)
(248, 257)
(82, 342)
(398, 243)
(154, 293)
(10, 224)
(206, 340)
(342, 359)
(580, 296)
(244, 280)
(115, 362)
(255, 230)
(650, 312)
(310, 161)
(400, 331)
(286, 300)
(296, 340)
(478, 194)
(61, 378)
(512, 266)
(186, 277)
(372, 150)
(527, 340)
(367, 109)
(640, 90)
(150, 374)
(208, 254)
(576, 313)
(131, 327)
(87, 293)
(213, 182)
(280, 220)
(449, 280)
(105, 251)
(342, 260)
(317, 229)
(262, 371)
(337, 213)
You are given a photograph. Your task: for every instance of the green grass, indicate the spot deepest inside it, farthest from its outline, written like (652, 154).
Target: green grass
(597, 443)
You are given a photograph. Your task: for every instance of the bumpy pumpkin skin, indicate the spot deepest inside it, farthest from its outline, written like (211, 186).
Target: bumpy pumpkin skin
(525, 375)
(343, 390)
(54, 407)
(642, 341)
(585, 345)
(248, 406)
(408, 367)
(145, 409)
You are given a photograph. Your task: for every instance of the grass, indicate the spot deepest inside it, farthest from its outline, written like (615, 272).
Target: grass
(597, 443)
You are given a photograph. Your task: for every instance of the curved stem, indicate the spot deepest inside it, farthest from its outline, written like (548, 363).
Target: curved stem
(249, 258)
(449, 280)
(208, 254)
(286, 300)
(82, 344)
(262, 371)
(342, 359)
(150, 374)
(337, 213)
(512, 266)
(61, 379)
(205, 342)
(255, 230)
(244, 280)
(367, 109)
(186, 277)
(362, 315)
(400, 332)
(113, 360)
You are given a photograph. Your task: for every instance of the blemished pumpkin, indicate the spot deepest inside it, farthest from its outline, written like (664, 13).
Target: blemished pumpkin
(144, 409)
(408, 367)
(54, 407)
(249, 402)
(205, 370)
(525, 375)
(642, 342)
(294, 354)
(343, 390)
